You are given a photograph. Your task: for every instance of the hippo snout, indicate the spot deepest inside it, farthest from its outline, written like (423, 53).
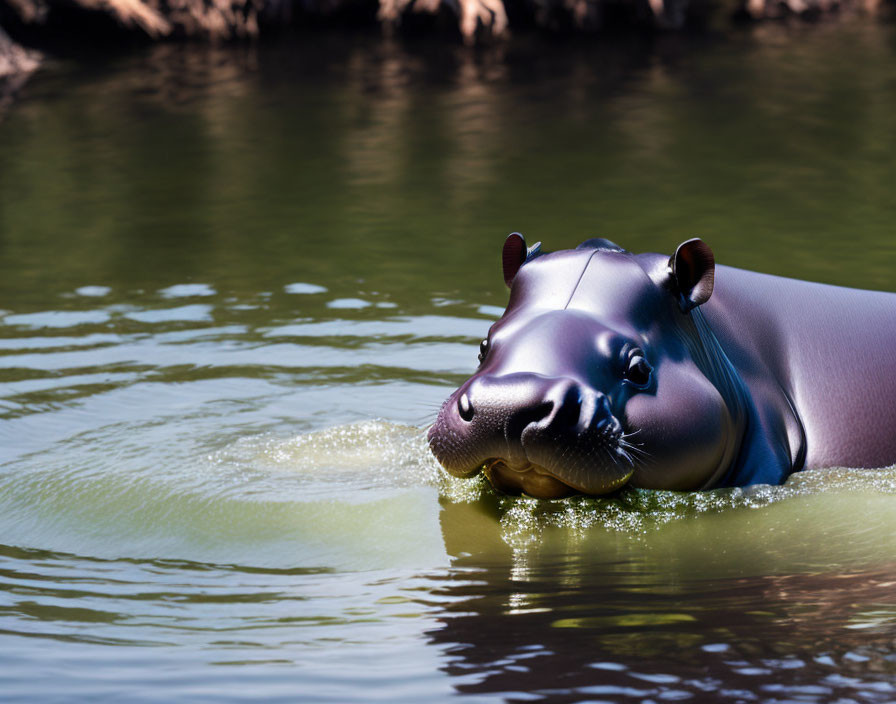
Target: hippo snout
(533, 433)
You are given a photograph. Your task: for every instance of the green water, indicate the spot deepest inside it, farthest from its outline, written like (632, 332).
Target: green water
(236, 283)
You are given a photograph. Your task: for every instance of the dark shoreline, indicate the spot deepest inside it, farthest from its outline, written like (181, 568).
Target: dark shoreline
(33, 29)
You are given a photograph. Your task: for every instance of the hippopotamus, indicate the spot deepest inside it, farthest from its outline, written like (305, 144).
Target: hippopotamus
(610, 368)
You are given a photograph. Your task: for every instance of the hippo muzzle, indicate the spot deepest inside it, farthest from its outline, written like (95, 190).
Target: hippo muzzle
(547, 437)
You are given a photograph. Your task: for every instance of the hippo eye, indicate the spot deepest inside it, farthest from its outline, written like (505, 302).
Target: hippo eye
(483, 350)
(638, 371)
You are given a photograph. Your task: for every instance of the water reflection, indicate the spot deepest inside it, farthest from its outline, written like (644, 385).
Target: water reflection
(675, 612)
(575, 628)
(275, 162)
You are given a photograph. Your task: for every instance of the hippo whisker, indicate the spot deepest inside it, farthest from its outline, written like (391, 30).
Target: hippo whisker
(625, 441)
(639, 454)
(614, 456)
(635, 452)
(627, 457)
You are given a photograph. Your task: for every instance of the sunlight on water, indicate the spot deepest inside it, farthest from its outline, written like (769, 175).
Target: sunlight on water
(356, 495)
(817, 520)
(640, 510)
(352, 497)
(347, 465)
(342, 460)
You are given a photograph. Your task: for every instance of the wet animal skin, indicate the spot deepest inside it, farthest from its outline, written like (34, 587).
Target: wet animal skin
(610, 368)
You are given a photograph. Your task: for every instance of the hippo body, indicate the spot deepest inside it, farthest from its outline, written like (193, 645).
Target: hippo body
(610, 368)
(829, 352)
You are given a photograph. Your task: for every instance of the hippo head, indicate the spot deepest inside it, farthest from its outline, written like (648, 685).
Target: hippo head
(601, 372)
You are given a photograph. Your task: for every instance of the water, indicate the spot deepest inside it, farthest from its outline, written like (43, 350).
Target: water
(236, 284)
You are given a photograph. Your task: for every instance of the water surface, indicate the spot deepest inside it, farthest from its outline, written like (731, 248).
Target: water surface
(235, 285)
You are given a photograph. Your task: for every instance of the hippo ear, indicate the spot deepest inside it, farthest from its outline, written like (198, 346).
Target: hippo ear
(513, 256)
(693, 273)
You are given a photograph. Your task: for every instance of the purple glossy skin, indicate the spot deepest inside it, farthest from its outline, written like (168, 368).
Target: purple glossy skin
(768, 376)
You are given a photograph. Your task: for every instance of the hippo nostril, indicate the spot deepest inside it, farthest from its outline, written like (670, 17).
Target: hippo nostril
(465, 408)
(570, 407)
